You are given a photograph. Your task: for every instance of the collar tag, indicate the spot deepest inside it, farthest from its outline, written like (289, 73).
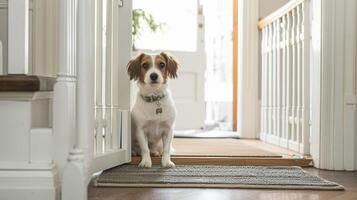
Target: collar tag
(158, 111)
(152, 98)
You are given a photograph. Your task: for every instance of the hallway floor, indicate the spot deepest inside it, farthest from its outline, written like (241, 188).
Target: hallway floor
(231, 152)
(227, 147)
(348, 179)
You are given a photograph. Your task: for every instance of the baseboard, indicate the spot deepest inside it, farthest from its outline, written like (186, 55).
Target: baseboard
(29, 184)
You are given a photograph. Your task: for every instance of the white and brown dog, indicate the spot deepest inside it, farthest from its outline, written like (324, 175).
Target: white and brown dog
(154, 112)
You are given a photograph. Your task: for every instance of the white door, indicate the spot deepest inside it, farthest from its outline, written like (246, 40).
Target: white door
(183, 37)
(112, 141)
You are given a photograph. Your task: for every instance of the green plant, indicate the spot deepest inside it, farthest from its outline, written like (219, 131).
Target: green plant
(141, 19)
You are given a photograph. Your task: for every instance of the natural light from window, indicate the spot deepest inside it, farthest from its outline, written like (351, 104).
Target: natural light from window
(179, 24)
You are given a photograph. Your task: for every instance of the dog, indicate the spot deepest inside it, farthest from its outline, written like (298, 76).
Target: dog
(154, 112)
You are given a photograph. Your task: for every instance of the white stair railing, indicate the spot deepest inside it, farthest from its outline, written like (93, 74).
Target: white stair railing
(102, 92)
(285, 84)
(109, 118)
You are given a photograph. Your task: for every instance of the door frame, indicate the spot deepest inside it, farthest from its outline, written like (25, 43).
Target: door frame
(235, 64)
(248, 105)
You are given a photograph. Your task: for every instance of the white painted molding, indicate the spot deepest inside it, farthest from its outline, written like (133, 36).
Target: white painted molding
(64, 100)
(124, 55)
(248, 69)
(338, 143)
(68, 37)
(315, 55)
(25, 96)
(18, 37)
(30, 184)
(74, 186)
(27, 170)
(1, 59)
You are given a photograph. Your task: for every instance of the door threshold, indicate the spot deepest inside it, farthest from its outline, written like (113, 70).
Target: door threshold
(238, 161)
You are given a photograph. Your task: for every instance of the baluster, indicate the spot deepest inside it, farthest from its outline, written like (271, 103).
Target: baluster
(115, 83)
(108, 76)
(263, 86)
(285, 80)
(306, 78)
(269, 68)
(293, 90)
(279, 62)
(274, 65)
(284, 94)
(298, 69)
(125, 138)
(98, 79)
(288, 77)
(266, 65)
(99, 130)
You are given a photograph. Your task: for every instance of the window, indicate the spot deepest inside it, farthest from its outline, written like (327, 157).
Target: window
(179, 25)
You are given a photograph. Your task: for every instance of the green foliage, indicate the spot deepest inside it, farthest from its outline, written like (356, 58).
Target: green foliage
(141, 19)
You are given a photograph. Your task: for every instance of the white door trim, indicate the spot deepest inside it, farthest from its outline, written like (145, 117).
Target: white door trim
(248, 69)
(338, 138)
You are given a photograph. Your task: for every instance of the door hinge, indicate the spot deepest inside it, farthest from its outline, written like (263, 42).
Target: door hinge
(120, 3)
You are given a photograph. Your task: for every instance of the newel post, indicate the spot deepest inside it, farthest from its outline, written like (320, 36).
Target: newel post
(64, 110)
(76, 174)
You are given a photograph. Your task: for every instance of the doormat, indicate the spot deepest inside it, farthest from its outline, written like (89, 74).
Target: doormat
(214, 176)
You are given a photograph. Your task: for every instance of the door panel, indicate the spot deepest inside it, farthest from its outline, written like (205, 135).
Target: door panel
(184, 39)
(188, 90)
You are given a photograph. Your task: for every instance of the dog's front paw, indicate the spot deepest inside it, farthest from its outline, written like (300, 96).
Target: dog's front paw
(167, 163)
(145, 162)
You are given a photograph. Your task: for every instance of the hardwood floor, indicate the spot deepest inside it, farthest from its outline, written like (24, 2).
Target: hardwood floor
(348, 179)
(231, 152)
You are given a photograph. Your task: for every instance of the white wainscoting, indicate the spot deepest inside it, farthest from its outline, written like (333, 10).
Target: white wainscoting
(27, 170)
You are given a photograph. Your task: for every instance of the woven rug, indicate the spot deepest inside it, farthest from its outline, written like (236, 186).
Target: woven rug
(214, 176)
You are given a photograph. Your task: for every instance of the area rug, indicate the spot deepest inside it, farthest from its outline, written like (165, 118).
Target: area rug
(214, 176)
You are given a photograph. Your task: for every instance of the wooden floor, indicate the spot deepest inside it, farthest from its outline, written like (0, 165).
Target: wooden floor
(231, 152)
(227, 148)
(348, 179)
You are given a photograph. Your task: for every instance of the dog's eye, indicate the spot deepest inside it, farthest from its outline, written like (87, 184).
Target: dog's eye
(162, 65)
(145, 65)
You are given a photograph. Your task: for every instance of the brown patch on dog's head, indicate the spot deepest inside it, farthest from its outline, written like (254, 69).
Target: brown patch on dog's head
(143, 66)
(171, 65)
(137, 67)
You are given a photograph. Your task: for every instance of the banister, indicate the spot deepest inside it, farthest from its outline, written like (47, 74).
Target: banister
(26, 83)
(278, 13)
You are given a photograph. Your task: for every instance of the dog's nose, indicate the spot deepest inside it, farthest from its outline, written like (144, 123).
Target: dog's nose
(153, 76)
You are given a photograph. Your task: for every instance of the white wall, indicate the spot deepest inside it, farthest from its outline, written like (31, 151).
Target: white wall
(42, 37)
(3, 33)
(268, 6)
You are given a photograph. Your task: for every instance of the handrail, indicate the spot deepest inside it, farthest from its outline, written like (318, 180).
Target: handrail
(278, 13)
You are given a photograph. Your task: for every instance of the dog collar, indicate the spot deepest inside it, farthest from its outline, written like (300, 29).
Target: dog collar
(153, 98)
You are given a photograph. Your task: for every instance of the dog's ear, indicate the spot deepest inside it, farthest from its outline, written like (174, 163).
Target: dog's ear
(171, 63)
(134, 68)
